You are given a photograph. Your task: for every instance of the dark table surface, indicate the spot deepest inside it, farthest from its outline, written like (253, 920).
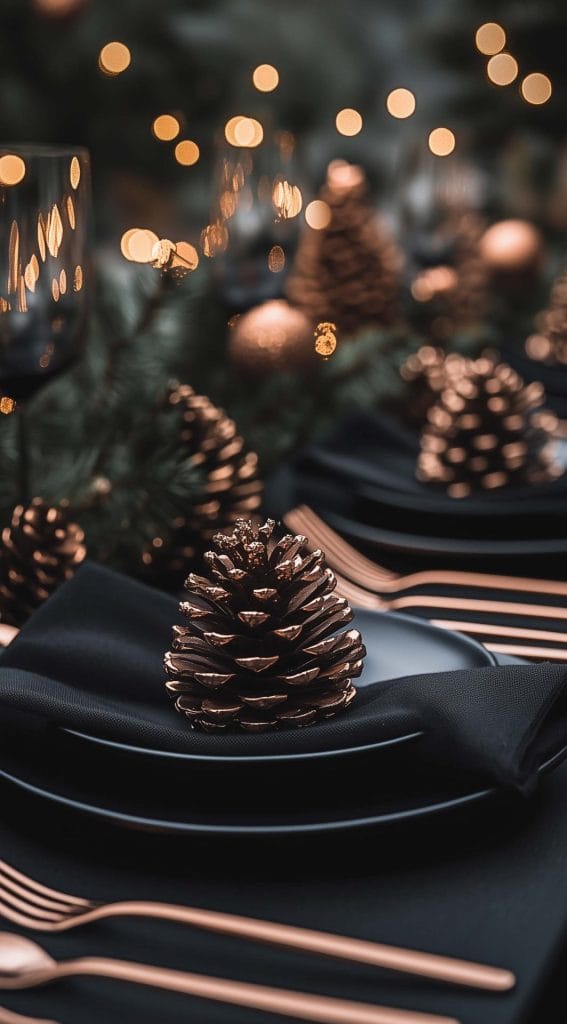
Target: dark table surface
(489, 885)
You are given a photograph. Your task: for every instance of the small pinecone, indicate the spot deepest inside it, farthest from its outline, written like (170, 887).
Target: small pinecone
(39, 551)
(486, 431)
(424, 373)
(261, 649)
(230, 483)
(349, 272)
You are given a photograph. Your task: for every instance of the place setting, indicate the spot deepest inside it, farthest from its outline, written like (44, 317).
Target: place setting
(283, 482)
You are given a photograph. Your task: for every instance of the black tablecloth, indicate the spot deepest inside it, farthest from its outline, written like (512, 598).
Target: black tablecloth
(490, 886)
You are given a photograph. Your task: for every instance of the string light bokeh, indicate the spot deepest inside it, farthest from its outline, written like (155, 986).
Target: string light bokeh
(265, 78)
(348, 121)
(114, 58)
(400, 103)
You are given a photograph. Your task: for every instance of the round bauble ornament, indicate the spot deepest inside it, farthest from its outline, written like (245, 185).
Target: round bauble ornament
(512, 247)
(273, 337)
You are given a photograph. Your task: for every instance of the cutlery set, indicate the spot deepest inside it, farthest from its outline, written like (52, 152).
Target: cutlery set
(24, 964)
(368, 585)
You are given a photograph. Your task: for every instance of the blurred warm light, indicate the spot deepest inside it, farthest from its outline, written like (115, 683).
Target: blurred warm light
(55, 289)
(287, 200)
(57, 8)
(54, 230)
(536, 88)
(441, 141)
(7, 405)
(214, 239)
(318, 214)
(62, 282)
(325, 339)
(12, 169)
(41, 237)
(490, 38)
(342, 176)
(400, 103)
(348, 121)
(265, 77)
(71, 212)
(502, 69)
(243, 131)
(538, 346)
(31, 273)
(74, 172)
(137, 245)
(276, 259)
(227, 203)
(186, 256)
(432, 282)
(187, 152)
(166, 127)
(114, 58)
(78, 278)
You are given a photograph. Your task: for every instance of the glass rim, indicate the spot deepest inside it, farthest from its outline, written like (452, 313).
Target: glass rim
(42, 149)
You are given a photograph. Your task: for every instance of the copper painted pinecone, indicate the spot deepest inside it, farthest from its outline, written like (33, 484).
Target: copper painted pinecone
(231, 486)
(487, 430)
(261, 650)
(39, 551)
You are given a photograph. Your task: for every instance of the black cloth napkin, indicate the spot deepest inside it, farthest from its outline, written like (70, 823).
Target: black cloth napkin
(374, 458)
(91, 659)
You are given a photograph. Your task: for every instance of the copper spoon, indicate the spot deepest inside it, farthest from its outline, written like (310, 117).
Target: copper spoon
(24, 964)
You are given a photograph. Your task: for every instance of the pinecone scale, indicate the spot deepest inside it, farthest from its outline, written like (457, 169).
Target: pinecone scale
(261, 648)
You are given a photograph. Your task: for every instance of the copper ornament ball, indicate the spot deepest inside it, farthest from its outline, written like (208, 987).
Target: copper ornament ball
(511, 246)
(272, 337)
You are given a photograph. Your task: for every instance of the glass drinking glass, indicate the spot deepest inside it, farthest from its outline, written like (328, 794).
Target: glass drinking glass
(45, 197)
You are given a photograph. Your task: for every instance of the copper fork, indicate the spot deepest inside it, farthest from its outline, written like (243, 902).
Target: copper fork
(355, 566)
(30, 904)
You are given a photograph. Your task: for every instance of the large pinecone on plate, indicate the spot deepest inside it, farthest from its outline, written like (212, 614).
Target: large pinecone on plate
(261, 649)
(40, 549)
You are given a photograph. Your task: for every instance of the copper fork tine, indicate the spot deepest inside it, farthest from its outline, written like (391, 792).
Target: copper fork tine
(350, 561)
(32, 905)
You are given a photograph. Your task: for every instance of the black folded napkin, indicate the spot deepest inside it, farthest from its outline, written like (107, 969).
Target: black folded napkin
(91, 659)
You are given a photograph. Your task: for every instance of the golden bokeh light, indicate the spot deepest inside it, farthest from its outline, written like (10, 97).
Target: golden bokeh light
(243, 131)
(166, 127)
(74, 172)
(54, 230)
(536, 88)
(71, 212)
(490, 38)
(186, 257)
(441, 141)
(400, 103)
(7, 405)
(78, 278)
(348, 121)
(502, 69)
(187, 152)
(12, 169)
(57, 8)
(265, 78)
(214, 240)
(62, 282)
(318, 214)
(325, 335)
(41, 237)
(55, 289)
(276, 259)
(137, 245)
(114, 58)
(287, 200)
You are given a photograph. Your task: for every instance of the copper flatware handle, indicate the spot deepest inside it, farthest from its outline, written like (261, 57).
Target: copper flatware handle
(428, 965)
(287, 1003)
(489, 629)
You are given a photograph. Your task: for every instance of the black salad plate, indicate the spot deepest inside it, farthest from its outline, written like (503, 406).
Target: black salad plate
(451, 547)
(378, 800)
(397, 645)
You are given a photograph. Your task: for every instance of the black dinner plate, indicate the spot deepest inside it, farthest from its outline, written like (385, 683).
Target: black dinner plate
(397, 645)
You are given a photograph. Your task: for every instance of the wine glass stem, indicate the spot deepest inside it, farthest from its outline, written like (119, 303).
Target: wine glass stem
(23, 456)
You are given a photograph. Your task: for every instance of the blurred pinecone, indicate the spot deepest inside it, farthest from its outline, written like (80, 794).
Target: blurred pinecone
(487, 430)
(424, 373)
(40, 549)
(348, 272)
(261, 650)
(230, 484)
(549, 344)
